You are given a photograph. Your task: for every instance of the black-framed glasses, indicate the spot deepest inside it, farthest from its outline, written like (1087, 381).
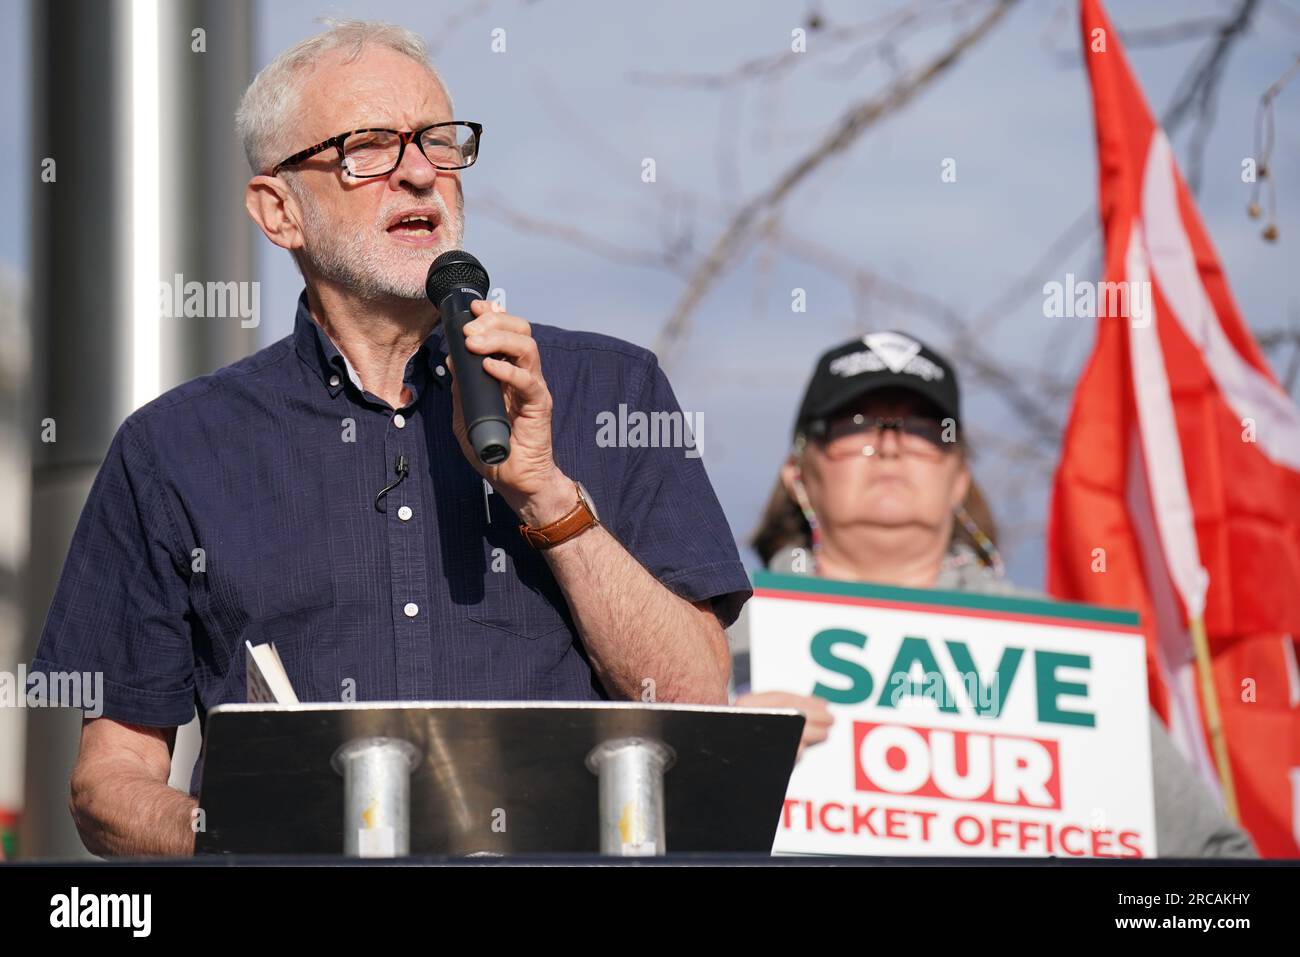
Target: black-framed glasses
(377, 152)
(853, 436)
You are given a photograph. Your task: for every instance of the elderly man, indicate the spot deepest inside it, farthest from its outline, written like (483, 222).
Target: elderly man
(245, 506)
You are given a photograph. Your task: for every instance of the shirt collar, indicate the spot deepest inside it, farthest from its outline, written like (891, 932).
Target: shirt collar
(320, 353)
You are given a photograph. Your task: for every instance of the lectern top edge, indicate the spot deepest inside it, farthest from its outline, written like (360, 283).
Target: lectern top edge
(497, 705)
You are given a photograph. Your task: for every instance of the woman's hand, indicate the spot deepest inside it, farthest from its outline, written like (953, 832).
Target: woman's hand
(818, 716)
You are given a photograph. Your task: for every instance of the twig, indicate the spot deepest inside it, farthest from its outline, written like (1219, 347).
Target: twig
(852, 124)
(1200, 88)
(772, 65)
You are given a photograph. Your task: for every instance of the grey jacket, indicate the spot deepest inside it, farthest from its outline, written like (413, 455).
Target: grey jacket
(1189, 823)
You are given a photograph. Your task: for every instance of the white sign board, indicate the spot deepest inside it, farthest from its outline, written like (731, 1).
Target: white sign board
(965, 724)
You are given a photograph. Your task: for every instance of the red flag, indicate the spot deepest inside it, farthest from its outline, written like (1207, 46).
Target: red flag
(1178, 490)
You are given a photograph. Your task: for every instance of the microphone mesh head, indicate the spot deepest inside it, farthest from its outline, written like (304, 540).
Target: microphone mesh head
(452, 269)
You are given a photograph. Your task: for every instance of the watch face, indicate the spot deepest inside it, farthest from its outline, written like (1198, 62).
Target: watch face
(586, 497)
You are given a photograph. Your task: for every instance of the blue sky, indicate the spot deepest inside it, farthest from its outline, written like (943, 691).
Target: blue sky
(1014, 114)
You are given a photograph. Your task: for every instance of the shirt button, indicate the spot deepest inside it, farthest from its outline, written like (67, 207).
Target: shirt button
(411, 609)
(405, 513)
(399, 420)
(334, 380)
(441, 370)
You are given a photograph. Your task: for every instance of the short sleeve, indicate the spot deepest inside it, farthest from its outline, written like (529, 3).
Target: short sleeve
(670, 519)
(119, 612)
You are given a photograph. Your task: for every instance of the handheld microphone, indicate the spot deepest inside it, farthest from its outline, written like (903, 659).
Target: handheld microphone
(455, 280)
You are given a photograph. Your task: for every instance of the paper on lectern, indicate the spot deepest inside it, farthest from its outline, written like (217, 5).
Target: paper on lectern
(268, 682)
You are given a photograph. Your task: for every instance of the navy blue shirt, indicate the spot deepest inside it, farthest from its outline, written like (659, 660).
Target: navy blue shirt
(240, 506)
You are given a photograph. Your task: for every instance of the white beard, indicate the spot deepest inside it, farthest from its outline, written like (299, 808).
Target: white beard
(363, 262)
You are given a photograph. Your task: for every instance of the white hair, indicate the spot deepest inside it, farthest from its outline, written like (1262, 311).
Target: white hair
(266, 112)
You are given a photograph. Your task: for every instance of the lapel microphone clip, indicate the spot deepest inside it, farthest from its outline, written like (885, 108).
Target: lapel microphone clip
(401, 467)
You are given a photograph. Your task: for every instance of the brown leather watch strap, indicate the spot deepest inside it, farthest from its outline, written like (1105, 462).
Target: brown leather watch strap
(577, 520)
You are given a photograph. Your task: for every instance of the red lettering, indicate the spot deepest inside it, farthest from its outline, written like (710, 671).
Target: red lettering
(894, 816)
(1036, 835)
(1000, 831)
(926, 817)
(1128, 841)
(862, 820)
(1022, 834)
(956, 765)
(787, 812)
(1065, 847)
(1101, 843)
(822, 817)
(979, 832)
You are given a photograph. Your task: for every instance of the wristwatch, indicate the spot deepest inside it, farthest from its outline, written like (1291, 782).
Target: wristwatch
(580, 518)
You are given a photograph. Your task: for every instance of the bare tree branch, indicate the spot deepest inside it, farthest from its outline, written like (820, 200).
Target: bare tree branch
(857, 119)
(1083, 227)
(1200, 88)
(1273, 340)
(773, 65)
(455, 20)
(1013, 386)
(1171, 33)
(1036, 397)
(490, 205)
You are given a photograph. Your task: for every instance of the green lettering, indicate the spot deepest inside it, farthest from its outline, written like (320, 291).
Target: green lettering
(932, 684)
(987, 701)
(1050, 688)
(823, 652)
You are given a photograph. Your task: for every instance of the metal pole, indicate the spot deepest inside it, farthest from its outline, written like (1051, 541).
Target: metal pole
(81, 359)
(206, 235)
(376, 796)
(631, 773)
(85, 247)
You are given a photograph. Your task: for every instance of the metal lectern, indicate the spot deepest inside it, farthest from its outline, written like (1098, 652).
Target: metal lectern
(389, 779)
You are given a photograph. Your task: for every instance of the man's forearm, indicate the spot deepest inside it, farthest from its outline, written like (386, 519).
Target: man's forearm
(634, 629)
(122, 813)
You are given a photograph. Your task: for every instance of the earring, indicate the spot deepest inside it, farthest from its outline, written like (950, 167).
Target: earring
(809, 516)
(984, 543)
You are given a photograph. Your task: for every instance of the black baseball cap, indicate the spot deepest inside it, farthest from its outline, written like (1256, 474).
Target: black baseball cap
(879, 360)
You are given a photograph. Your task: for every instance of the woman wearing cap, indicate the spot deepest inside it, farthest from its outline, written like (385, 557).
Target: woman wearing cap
(877, 488)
